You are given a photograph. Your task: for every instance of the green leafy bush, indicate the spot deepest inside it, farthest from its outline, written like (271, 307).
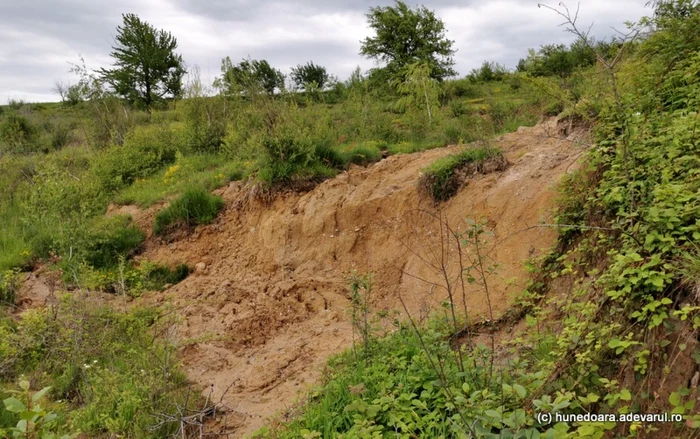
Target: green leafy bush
(107, 240)
(195, 206)
(107, 366)
(144, 152)
(127, 278)
(290, 157)
(17, 134)
(9, 285)
(442, 178)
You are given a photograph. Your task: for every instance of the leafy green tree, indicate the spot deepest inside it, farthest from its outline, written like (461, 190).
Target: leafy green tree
(488, 72)
(405, 36)
(559, 60)
(146, 68)
(419, 89)
(310, 73)
(249, 77)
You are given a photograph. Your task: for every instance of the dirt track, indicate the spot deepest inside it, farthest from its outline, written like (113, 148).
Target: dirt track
(269, 302)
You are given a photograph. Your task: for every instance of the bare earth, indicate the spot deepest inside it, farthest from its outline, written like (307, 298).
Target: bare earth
(269, 302)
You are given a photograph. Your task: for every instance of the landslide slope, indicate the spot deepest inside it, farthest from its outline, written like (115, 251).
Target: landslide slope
(269, 302)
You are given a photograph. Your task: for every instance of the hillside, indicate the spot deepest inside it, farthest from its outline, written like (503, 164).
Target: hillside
(508, 255)
(272, 299)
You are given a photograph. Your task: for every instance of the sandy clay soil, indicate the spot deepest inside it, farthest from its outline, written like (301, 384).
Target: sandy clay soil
(269, 301)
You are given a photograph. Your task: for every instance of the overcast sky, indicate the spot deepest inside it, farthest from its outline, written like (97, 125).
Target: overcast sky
(38, 38)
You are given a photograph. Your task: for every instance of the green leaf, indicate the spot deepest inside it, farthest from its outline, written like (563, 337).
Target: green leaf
(22, 426)
(14, 405)
(40, 394)
(675, 399)
(465, 388)
(625, 395)
(520, 390)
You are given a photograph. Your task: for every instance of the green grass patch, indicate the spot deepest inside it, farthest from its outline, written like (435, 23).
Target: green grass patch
(209, 171)
(442, 179)
(364, 153)
(195, 206)
(107, 240)
(409, 147)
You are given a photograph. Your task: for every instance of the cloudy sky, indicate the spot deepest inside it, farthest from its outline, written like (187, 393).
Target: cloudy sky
(38, 38)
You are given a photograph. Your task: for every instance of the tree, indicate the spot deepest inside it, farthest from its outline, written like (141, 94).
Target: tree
(60, 88)
(405, 36)
(419, 89)
(146, 68)
(249, 77)
(305, 75)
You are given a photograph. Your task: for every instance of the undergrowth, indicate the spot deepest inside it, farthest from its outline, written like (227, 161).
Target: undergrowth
(195, 206)
(613, 314)
(444, 177)
(110, 372)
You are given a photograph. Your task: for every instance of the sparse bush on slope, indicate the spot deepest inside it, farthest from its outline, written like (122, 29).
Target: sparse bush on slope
(194, 207)
(444, 177)
(144, 152)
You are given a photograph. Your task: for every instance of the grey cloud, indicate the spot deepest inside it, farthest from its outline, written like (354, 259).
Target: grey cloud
(39, 37)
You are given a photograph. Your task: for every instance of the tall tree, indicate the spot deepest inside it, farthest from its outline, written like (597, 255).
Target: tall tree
(250, 77)
(405, 36)
(146, 67)
(310, 73)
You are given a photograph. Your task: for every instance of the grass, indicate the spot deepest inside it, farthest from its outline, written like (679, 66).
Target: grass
(209, 171)
(441, 179)
(109, 369)
(195, 206)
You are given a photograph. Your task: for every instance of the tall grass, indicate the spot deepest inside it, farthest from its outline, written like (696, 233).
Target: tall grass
(195, 206)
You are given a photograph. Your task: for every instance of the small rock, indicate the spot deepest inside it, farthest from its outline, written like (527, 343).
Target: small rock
(200, 267)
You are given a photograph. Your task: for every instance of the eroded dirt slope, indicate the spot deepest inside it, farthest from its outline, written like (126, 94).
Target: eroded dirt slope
(269, 302)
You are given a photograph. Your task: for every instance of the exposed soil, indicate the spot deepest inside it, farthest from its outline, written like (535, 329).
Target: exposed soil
(269, 302)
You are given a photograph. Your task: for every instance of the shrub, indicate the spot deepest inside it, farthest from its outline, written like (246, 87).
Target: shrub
(126, 278)
(330, 156)
(9, 284)
(290, 157)
(488, 72)
(458, 108)
(17, 134)
(459, 88)
(109, 239)
(195, 206)
(109, 366)
(145, 151)
(442, 179)
(205, 119)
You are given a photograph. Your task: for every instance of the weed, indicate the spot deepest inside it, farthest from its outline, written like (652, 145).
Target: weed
(195, 206)
(442, 179)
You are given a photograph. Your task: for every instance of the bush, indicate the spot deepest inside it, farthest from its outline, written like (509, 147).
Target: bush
(291, 157)
(109, 366)
(126, 278)
(442, 178)
(488, 72)
(195, 206)
(459, 88)
(205, 119)
(17, 134)
(9, 284)
(109, 239)
(145, 151)
(330, 156)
